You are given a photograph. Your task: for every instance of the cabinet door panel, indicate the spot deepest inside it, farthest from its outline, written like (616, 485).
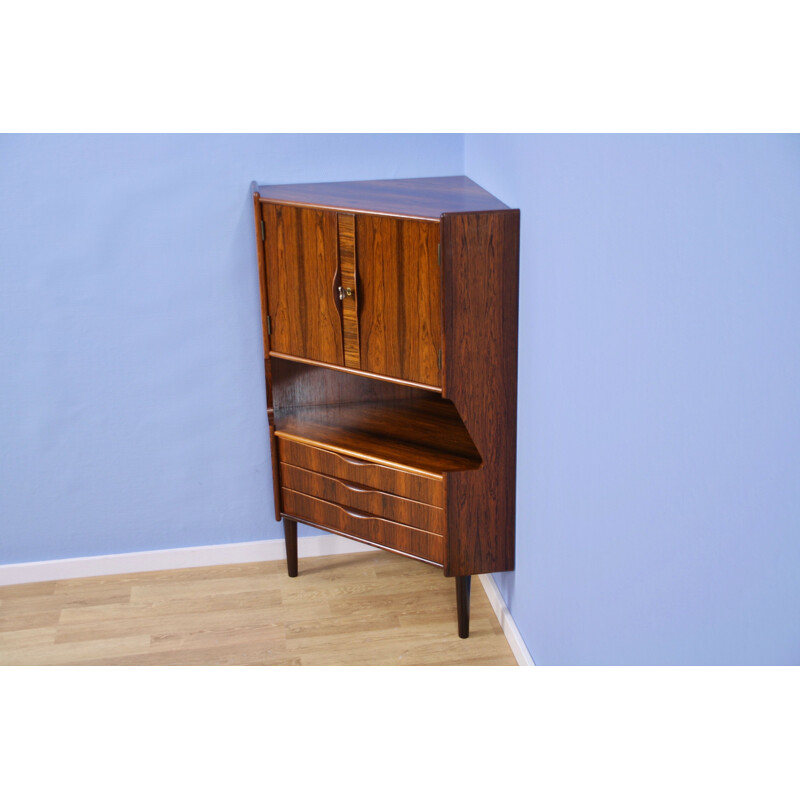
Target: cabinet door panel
(399, 297)
(301, 264)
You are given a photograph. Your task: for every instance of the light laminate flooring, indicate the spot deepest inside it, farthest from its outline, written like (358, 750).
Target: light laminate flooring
(358, 609)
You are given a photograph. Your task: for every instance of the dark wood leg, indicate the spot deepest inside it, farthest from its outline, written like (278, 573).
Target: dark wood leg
(462, 602)
(290, 537)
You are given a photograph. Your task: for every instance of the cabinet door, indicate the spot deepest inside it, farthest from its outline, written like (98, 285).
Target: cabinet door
(400, 317)
(301, 262)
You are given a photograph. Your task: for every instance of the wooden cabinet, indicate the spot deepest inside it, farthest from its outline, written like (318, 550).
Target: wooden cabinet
(390, 344)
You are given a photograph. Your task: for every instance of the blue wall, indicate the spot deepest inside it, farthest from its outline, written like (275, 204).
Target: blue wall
(659, 395)
(131, 375)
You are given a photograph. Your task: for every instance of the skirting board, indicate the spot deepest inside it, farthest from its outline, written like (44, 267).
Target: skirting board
(510, 629)
(176, 558)
(217, 554)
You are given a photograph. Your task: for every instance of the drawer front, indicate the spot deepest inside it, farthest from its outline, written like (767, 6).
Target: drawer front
(402, 538)
(362, 498)
(363, 473)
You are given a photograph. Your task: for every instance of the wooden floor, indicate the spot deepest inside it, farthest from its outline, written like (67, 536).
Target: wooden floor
(359, 609)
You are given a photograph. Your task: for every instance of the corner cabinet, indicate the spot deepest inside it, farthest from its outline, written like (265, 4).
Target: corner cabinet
(390, 349)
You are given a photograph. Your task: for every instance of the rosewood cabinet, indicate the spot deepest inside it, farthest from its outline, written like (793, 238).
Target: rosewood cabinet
(390, 345)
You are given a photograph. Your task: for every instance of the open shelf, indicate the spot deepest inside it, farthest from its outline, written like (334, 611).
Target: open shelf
(358, 372)
(422, 435)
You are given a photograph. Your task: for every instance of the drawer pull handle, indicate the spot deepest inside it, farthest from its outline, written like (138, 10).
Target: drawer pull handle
(354, 487)
(358, 514)
(354, 461)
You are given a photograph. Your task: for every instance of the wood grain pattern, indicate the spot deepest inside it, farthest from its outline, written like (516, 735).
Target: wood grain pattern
(400, 297)
(480, 329)
(371, 608)
(349, 284)
(300, 254)
(419, 198)
(364, 527)
(399, 482)
(262, 280)
(264, 289)
(421, 436)
(360, 497)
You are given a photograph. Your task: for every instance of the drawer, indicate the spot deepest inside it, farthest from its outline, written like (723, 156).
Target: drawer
(362, 498)
(374, 530)
(364, 473)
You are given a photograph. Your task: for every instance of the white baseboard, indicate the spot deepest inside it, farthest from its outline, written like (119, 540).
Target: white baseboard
(177, 558)
(510, 629)
(216, 554)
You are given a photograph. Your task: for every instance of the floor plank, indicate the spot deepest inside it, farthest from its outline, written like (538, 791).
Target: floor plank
(372, 608)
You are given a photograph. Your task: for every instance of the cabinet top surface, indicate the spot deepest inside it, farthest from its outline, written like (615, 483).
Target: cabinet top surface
(421, 198)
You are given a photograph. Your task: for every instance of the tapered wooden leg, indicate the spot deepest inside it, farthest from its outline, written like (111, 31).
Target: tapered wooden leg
(462, 603)
(290, 537)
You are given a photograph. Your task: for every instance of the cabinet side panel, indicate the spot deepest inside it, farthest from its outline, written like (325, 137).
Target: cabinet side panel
(301, 267)
(262, 281)
(480, 279)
